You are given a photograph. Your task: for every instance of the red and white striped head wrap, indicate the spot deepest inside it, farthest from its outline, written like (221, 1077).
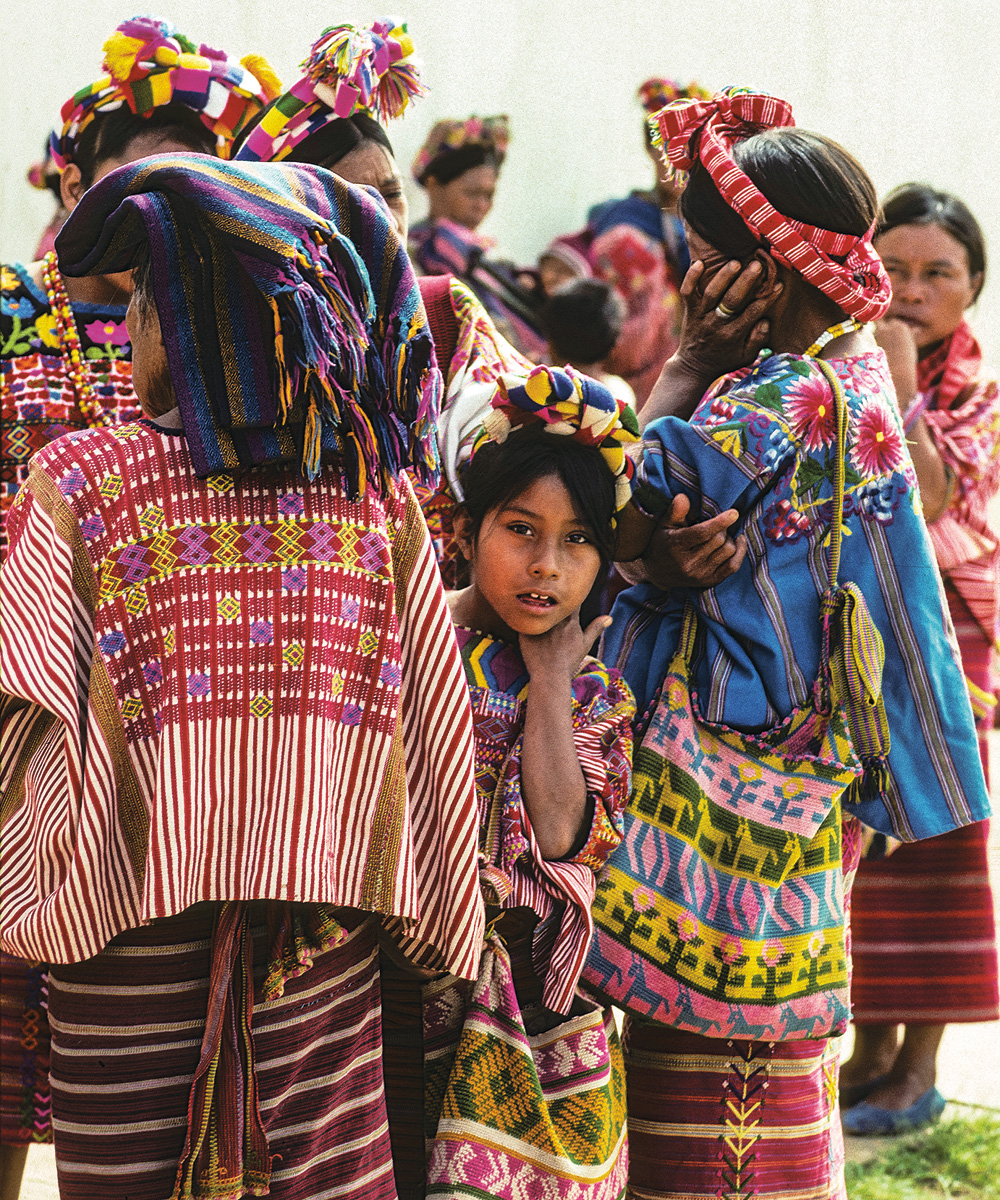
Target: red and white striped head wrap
(705, 131)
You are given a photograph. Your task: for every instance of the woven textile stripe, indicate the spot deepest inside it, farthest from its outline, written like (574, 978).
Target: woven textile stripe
(127, 1028)
(255, 729)
(26, 1112)
(735, 1120)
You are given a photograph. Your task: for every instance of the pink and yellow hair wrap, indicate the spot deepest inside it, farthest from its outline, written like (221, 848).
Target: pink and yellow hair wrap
(149, 64)
(348, 70)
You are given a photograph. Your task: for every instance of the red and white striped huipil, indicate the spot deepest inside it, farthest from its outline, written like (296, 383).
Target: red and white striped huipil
(226, 689)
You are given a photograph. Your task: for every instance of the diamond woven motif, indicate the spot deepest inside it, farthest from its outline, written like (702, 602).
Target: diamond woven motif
(229, 608)
(127, 431)
(261, 706)
(220, 483)
(368, 642)
(336, 683)
(169, 639)
(131, 708)
(19, 442)
(151, 517)
(293, 654)
(111, 485)
(136, 601)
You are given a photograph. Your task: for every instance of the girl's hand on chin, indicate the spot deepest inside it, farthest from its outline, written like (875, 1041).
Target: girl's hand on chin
(558, 653)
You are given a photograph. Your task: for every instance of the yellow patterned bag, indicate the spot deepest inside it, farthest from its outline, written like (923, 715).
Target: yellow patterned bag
(722, 911)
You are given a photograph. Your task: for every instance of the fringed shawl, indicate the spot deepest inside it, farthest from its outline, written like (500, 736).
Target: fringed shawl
(291, 317)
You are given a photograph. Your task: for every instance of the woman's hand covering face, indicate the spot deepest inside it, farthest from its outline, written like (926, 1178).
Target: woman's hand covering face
(712, 342)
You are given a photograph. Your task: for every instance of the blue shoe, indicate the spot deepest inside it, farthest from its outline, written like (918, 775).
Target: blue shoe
(865, 1118)
(852, 1096)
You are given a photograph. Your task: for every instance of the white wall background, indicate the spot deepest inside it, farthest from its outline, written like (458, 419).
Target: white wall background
(910, 86)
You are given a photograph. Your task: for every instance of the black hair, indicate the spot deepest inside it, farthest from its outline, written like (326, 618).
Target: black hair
(805, 176)
(498, 472)
(582, 320)
(920, 204)
(331, 142)
(451, 163)
(110, 134)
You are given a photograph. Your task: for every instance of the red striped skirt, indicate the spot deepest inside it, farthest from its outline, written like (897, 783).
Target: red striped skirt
(923, 931)
(127, 1029)
(709, 1118)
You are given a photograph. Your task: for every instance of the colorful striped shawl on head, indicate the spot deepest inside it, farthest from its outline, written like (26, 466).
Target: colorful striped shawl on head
(844, 267)
(290, 314)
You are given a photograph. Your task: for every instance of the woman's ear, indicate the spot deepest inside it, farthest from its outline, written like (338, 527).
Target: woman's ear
(976, 282)
(461, 523)
(71, 186)
(771, 271)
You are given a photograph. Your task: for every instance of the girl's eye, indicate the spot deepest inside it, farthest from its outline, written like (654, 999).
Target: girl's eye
(578, 539)
(520, 527)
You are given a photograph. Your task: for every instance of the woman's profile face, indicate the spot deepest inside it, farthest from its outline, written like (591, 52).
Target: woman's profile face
(713, 260)
(371, 165)
(931, 282)
(466, 200)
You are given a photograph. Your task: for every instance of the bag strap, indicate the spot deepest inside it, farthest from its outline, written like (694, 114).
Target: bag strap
(839, 470)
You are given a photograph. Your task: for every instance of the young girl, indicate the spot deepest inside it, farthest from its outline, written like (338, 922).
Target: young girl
(534, 1091)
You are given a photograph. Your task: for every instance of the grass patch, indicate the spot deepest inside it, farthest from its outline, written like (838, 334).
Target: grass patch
(959, 1158)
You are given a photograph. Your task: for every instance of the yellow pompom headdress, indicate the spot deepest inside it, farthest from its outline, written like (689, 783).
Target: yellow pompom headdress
(149, 64)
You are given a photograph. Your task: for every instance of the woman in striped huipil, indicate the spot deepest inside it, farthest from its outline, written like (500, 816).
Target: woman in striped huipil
(925, 952)
(238, 734)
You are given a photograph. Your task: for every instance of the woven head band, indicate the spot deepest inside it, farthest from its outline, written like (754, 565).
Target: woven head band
(705, 131)
(149, 64)
(348, 70)
(493, 133)
(569, 405)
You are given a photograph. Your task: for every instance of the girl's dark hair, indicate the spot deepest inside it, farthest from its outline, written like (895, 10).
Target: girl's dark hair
(804, 175)
(920, 204)
(331, 142)
(110, 134)
(498, 472)
(582, 320)
(452, 163)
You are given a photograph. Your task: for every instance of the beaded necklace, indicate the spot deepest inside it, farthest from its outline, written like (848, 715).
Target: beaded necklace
(851, 325)
(69, 339)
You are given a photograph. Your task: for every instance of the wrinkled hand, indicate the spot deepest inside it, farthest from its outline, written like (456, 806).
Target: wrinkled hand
(712, 344)
(559, 653)
(900, 346)
(697, 556)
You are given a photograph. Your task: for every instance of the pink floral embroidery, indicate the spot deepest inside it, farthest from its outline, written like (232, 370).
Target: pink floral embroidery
(812, 413)
(642, 899)
(107, 333)
(732, 949)
(878, 445)
(687, 927)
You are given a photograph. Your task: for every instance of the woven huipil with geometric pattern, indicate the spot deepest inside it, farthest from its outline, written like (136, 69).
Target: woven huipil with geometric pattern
(227, 688)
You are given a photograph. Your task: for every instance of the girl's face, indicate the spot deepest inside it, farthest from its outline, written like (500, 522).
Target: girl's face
(466, 200)
(533, 562)
(931, 283)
